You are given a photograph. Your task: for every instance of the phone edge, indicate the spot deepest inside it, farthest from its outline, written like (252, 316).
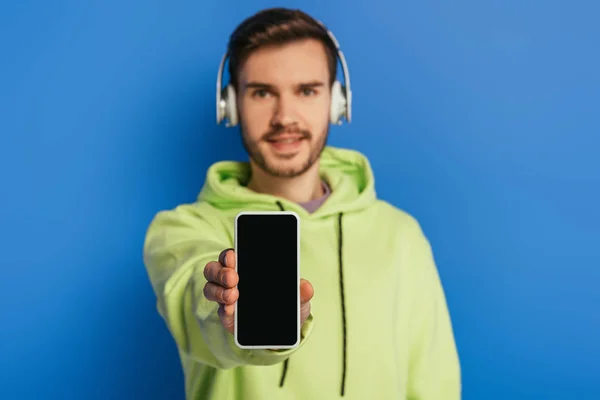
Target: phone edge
(298, 307)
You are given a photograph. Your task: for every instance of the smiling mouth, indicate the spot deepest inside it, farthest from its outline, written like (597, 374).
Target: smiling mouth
(286, 143)
(285, 139)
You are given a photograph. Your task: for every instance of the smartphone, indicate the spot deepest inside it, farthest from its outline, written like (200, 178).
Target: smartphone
(267, 248)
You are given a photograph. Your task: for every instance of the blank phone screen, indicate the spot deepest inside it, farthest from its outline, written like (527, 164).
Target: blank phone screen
(267, 312)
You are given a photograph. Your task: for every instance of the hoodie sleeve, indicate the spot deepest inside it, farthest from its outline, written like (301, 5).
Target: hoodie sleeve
(178, 245)
(434, 367)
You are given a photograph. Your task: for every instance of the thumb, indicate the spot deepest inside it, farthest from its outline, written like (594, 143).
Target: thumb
(306, 291)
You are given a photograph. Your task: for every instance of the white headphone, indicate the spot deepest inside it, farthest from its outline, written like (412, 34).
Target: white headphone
(341, 96)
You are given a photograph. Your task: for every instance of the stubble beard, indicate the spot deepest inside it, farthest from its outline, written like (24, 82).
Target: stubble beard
(255, 154)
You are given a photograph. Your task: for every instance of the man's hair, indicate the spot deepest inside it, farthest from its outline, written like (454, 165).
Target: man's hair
(272, 27)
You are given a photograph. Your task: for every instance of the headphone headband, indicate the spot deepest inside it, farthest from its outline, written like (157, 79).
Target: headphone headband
(341, 97)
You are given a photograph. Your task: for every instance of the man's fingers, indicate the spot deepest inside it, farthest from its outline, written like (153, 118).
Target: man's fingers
(227, 258)
(214, 272)
(226, 315)
(306, 291)
(219, 294)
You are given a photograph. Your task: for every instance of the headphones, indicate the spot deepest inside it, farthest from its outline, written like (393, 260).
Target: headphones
(341, 95)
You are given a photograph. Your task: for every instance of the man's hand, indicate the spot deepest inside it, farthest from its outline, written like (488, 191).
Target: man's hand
(221, 288)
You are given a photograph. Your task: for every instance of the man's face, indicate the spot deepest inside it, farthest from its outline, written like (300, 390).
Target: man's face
(283, 101)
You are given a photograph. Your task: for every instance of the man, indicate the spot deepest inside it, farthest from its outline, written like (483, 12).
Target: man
(375, 324)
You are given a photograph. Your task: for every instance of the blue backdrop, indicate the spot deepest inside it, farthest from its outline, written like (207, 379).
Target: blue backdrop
(480, 118)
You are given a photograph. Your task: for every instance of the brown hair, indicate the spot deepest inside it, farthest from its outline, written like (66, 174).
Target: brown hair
(276, 26)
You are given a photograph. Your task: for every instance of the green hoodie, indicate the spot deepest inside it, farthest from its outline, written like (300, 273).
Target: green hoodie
(379, 327)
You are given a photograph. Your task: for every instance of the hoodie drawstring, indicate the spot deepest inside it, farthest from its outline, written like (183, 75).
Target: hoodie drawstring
(343, 301)
(340, 258)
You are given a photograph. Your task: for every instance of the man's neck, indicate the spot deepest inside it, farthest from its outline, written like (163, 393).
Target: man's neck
(300, 189)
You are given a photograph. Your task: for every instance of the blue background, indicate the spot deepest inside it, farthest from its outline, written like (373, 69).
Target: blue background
(480, 118)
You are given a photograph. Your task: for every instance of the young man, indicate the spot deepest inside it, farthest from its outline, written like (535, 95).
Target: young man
(375, 324)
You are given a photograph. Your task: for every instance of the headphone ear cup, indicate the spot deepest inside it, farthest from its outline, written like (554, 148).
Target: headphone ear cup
(338, 103)
(231, 106)
(221, 106)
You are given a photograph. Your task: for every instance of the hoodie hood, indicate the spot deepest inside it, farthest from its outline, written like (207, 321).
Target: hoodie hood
(347, 172)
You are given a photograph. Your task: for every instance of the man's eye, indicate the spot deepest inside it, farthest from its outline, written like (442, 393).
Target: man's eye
(308, 92)
(260, 93)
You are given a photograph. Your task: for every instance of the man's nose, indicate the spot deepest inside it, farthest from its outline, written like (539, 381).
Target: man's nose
(284, 113)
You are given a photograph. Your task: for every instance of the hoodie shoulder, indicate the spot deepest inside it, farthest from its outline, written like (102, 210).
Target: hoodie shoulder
(199, 216)
(402, 219)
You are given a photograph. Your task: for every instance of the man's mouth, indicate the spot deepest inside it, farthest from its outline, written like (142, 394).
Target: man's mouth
(286, 143)
(286, 139)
